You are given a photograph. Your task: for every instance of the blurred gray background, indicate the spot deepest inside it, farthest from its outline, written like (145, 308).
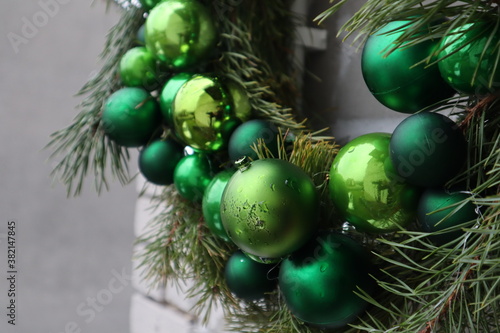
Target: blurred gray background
(70, 251)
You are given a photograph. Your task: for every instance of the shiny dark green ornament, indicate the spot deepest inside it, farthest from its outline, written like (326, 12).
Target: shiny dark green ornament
(247, 279)
(211, 203)
(319, 281)
(180, 33)
(247, 134)
(168, 94)
(138, 69)
(365, 188)
(192, 175)
(393, 80)
(466, 68)
(130, 117)
(149, 4)
(439, 209)
(158, 160)
(269, 208)
(428, 149)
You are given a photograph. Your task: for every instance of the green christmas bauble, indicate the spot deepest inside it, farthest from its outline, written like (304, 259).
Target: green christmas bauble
(203, 113)
(158, 160)
(247, 134)
(269, 208)
(192, 175)
(138, 69)
(428, 149)
(319, 281)
(168, 94)
(211, 203)
(393, 80)
(365, 188)
(247, 279)
(149, 4)
(466, 68)
(180, 33)
(130, 117)
(434, 209)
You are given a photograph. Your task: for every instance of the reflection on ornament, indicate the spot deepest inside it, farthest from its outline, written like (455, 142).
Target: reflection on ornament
(192, 175)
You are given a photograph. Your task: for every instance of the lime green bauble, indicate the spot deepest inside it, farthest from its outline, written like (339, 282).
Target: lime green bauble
(192, 175)
(203, 113)
(211, 203)
(393, 80)
(168, 94)
(247, 279)
(138, 69)
(247, 134)
(158, 160)
(365, 188)
(149, 4)
(428, 149)
(439, 210)
(319, 281)
(269, 208)
(180, 33)
(466, 68)
(130, 117)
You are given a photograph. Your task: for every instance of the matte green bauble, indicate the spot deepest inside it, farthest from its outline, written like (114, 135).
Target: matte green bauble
(247, 279)
(158, 160)
(247, 134)
(130, 117)
(211, 203)
(434, 209)
(464, 52)
(319, 281)
(203, 113)
(428, 149)
(149, 4)
(365, 189)
(168, 94)
(393, 80)
(269, 208)
(138, 68)
(192, 175)
(181, 33)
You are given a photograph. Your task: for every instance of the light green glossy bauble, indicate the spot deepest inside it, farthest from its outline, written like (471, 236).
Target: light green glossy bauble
(149, 4)
(158, 160)
(248, 134)
(269, 208)
(464, 52)
(203, 113)
(211, 203)
(130, 117)
(192, 175)
(319, 281)
(365, 188)
(138, 69)
(180, 33)
(393, 80)
(168, 94)
(247, 279)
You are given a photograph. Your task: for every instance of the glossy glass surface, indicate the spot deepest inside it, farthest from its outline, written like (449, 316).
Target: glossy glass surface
(158, 160)
(138, 69)
(192, 175)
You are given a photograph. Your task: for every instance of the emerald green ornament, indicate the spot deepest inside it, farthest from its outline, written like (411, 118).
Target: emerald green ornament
(192, 175)
(149, 4)
(168, 94)
(439, 210)
(138, 69)
(247, 134)
(180, 33)
(466, 68)
(428, 149)
(158, 160)
(130, 117)
(393, 80)
(319, 281)
(203, 113)
(247, 279)
(269, 208)
(365, 188)
(211, 203)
